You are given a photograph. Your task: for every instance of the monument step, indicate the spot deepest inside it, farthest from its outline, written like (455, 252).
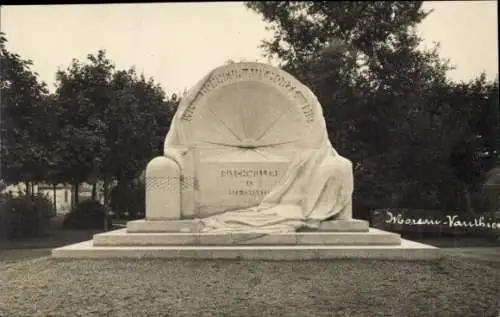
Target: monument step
(407, 250)
(144, 226)
(122, 238)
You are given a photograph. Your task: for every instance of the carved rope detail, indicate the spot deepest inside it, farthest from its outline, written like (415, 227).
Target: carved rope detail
(164, 183)
(188, 183)
(169, 183)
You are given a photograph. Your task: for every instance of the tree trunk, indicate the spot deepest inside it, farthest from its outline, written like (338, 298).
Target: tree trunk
(76, 191)
(118, 192)
(94, 191)
(28, 188)
(467, 200)
(106, 203)
(32, 190)
(54, 192)
(72, 195)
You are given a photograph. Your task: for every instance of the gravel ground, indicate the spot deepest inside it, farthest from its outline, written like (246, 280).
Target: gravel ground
(47, 287)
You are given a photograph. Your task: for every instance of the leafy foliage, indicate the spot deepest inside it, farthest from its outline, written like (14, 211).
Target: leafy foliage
(23, 134)
(112, 122)
(100, 124)
(411, 133)
(24, 216)
(88, 214)
(128, 200)
(415, 138)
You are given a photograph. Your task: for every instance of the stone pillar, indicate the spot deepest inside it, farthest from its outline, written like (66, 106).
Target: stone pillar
(163, 189)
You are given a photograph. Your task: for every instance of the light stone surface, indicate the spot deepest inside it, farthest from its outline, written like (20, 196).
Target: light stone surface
(122, 238)
(194, 225)
(408, 250)
(264, 239)
(246, 117)
(251, 140)
(237, 180)
(352, 225)
(247, 162)
(373, 237)
(163, 192)
(142, 225)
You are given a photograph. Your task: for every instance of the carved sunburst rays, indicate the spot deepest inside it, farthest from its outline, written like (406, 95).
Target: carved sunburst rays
(247, 116)
(246, 111)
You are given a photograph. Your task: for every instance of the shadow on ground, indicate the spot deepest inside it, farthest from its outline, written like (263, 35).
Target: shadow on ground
(30, 248)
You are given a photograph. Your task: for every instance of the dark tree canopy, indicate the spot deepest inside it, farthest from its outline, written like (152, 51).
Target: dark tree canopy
(111, 120)
(23, 136)
(413, 135)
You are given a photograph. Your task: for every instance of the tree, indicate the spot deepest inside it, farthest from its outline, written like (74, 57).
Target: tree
(490, 124)
(135, 123)
(476, 123)
(113, 122)
(388, 104)
(303, 28)
(141, 115)
(23, 126)
(82, 95)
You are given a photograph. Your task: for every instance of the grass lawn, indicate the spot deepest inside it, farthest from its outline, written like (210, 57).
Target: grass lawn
(464, 283)
(48, 287)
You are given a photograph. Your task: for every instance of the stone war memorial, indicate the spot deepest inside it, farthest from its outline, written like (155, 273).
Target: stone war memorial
(248, 172)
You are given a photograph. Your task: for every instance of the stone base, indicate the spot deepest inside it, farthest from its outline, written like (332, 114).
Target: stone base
(143, 226)
(407, 250)
(338, 239)
(122, 238)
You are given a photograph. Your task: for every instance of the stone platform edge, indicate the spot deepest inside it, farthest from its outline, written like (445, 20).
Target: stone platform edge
(408, 250)
(123, 238)
(194, 225)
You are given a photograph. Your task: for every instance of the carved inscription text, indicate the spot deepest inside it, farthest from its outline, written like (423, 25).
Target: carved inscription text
(248, 181)
(252, 73)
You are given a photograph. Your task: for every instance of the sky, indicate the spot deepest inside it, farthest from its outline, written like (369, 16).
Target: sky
(178, 43)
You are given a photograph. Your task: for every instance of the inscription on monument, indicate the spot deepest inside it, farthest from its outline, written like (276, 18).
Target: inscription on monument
(248, 192)
(248, 172)
(249, 180)
(252, 73)
(226, 184)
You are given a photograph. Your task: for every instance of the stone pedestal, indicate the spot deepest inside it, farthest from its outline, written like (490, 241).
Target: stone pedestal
(248, 135)
(163, 190)
(182, 239)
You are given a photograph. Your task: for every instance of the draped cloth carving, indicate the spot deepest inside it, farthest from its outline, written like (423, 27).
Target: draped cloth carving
(317, 185)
